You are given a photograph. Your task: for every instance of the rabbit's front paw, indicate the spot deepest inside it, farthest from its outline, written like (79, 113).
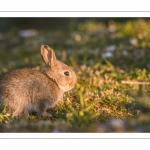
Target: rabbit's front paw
(46, 115)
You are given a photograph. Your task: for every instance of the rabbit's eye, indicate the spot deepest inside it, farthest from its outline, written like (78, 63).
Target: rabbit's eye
(66, 73)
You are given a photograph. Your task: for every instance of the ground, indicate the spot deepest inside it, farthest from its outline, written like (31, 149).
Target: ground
(111, 58)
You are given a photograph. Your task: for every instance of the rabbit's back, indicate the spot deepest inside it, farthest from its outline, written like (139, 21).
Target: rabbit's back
(27, 90)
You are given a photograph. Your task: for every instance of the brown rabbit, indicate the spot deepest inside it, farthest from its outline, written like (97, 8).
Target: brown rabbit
(30, 91)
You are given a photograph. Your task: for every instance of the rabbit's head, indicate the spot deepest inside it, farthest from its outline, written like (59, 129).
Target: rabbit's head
(61, 73)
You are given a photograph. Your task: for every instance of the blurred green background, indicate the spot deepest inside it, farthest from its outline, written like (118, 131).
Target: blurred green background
(7, 24)
(111, 57)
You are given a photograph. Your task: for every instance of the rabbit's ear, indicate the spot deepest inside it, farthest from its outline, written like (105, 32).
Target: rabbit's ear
(48, 55)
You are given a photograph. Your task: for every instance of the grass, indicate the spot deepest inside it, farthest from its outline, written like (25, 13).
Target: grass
(111, 60)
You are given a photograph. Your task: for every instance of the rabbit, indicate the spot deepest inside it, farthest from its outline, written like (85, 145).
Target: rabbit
(28, 91)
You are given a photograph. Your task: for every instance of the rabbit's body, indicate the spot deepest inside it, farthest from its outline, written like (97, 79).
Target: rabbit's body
(30, 95)
(30, 91)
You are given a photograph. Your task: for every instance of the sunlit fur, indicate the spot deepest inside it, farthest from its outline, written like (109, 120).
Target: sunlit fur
(30, 91)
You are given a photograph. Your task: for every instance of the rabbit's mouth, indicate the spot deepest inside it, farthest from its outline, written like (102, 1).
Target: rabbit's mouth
(67, 87)
(72, 84)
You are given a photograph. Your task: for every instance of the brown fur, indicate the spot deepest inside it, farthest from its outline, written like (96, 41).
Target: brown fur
(30, 91)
